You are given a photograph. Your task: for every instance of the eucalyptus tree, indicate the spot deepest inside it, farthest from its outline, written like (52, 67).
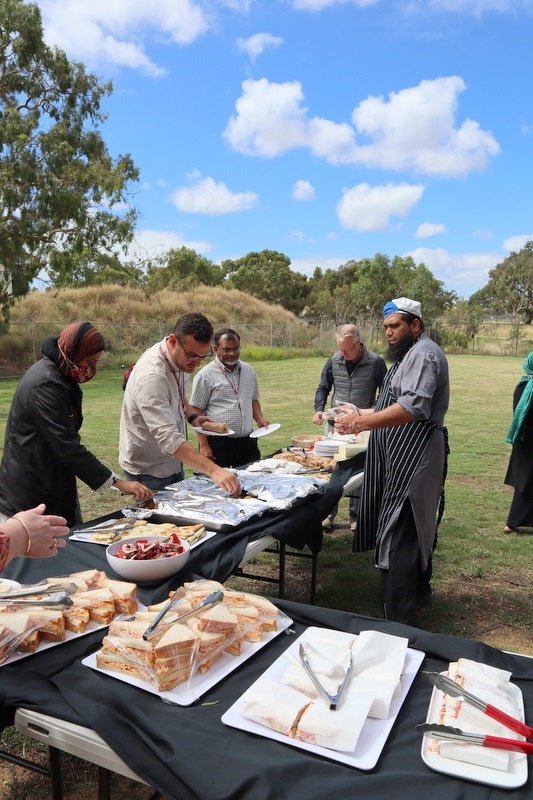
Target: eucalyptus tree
(59, 186)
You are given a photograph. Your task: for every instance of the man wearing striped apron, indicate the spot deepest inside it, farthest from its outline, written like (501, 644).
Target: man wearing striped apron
(405, 462)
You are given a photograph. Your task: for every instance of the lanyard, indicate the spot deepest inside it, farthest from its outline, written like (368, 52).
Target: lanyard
(179, 383)
(234, 389)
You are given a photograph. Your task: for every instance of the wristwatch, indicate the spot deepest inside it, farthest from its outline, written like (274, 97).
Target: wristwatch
(191, 418)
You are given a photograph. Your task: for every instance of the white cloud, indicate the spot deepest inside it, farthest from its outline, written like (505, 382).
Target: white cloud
(150, 244)
(370, 208)
(481, 233)
(269, 119)
(515, 243)
(331, 236)
(464, 271)
(208, 196)
(303, 190)
(112, 33)
(413, 129)
(320, 5)
(257, 44)
(427, 229)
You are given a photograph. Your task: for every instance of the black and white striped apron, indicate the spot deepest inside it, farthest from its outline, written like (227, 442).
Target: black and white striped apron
(392, 458)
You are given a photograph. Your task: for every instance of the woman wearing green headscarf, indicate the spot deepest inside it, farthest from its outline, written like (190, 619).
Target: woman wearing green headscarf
(520, 470)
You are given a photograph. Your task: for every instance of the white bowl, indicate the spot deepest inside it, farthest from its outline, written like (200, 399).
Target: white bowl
(148, 570)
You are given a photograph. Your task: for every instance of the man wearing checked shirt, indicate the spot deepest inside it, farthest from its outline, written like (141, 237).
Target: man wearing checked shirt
(226, 390)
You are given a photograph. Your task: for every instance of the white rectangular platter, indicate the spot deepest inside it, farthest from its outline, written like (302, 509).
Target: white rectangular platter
(187, 693)
(374, 733)
(88, 537)
(515, 776)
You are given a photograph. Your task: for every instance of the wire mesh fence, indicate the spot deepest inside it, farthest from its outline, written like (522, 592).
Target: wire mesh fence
(125, 341)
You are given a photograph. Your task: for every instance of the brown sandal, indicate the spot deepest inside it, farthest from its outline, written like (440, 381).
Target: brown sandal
(507, 529)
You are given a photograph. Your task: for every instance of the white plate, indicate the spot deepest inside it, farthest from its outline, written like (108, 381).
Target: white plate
(79, 536)
(7, 585)
(515, 776)
(212, 433)
(187, 693)
(274, 426)
(374, 733)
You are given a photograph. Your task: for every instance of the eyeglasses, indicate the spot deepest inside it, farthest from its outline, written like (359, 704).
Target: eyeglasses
(228, 350)
(194, 356)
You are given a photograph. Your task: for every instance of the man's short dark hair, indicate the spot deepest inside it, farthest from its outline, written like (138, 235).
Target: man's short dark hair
(229, 333)
(410, 318)
(196, 325)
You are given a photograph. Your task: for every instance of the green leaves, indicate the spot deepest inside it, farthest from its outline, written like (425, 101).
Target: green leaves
(58, 184)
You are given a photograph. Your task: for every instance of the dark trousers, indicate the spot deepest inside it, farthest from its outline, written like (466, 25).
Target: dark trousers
(230, 452)
(404, 577)
(521, 512)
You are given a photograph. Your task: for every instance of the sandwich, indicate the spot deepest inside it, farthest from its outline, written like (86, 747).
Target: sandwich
(94, 578)
(76, 618)
(175, 656)
(14, 628)
(121, 662)
(124, 595)
(215, 427)
(217, 619)
(99, 602)
(277, 707)
(49, 622)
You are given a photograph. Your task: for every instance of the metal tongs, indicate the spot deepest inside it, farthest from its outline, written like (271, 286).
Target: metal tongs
(333, 700)
(47, 588)
(449, 686)
(457, 735)
(54, 599)
(211, 600)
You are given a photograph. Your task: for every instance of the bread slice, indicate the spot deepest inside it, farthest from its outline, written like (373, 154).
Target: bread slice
(124, 595)
(14, 627)
(49, 622)
(217, 619)
(94, 578)
(76, 618)
(99, 602)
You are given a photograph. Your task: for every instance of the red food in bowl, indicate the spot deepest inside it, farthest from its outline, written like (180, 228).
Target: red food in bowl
(144, 550)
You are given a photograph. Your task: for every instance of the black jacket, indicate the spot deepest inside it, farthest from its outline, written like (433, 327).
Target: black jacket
(43, 453)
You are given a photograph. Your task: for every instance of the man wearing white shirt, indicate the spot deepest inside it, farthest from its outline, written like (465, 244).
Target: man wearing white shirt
(227, 391)
(153, 444)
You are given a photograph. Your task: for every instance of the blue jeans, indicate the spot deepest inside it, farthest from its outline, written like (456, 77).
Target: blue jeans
(153, 483)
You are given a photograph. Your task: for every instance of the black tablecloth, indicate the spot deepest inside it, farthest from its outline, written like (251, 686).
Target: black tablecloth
(186, 753)
(215, 558)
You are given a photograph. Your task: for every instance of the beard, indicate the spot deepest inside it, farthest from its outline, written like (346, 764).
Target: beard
(396, 351)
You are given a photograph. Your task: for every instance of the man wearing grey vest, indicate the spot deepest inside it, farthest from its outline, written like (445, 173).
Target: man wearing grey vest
(355, 375)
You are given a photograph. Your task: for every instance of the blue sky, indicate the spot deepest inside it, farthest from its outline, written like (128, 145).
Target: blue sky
(328, 130)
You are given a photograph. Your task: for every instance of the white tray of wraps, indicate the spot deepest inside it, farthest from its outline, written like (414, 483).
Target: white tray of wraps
(504, 769)
(187, 693)
(371, 734)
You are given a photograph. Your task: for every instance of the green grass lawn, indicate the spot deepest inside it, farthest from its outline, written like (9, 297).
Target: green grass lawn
(482, 577)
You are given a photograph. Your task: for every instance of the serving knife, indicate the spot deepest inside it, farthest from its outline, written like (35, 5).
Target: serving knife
(451, 734)
(449, 686)
(211, 600)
